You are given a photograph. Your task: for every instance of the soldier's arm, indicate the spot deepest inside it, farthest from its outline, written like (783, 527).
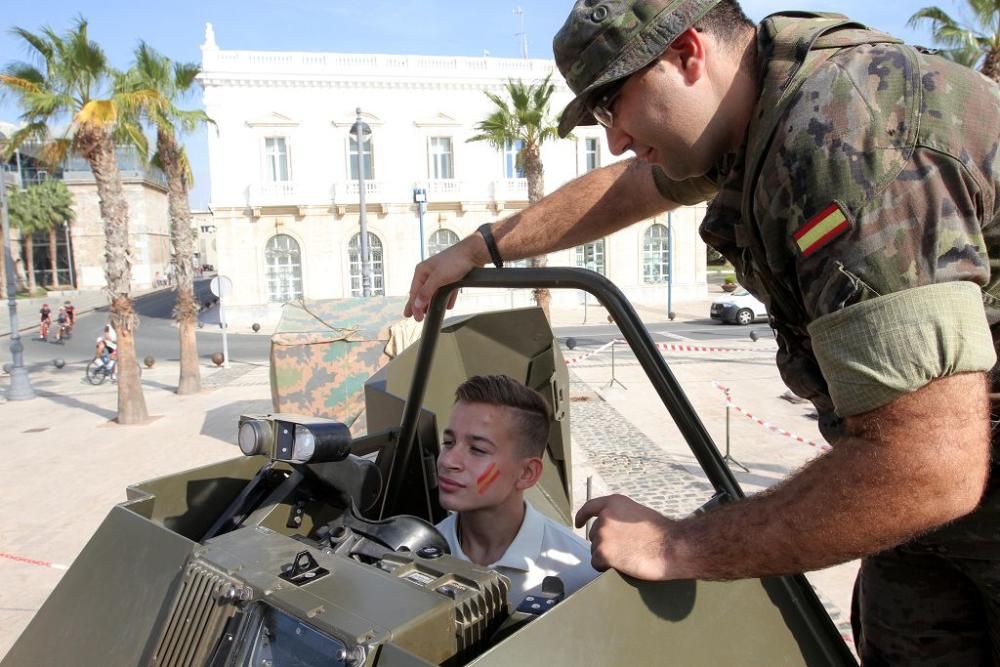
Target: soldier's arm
(904, 468)
(598, 203)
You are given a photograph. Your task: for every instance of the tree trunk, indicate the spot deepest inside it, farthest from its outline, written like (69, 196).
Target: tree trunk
(97, 146)
(54, 280)
(186, 308)
(535, 173)
(991, 65)
(29, 262)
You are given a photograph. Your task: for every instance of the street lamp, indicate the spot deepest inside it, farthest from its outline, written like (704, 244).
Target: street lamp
(362, 133)
(420, 199)
(20, 383)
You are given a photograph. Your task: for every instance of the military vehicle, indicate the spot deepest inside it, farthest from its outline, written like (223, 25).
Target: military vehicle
(318, 548)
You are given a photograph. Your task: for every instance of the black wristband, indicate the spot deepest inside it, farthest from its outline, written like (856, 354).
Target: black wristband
(491, 244)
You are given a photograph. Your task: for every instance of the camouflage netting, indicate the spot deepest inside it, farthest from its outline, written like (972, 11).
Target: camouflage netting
(322, 352)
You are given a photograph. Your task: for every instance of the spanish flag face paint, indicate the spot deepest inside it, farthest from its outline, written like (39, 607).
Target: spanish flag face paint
(485, 481)
(821, 229)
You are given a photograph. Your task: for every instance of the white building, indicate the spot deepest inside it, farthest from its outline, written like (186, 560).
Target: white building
(284, 181)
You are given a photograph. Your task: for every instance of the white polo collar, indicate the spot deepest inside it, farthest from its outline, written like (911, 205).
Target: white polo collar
(522, 552)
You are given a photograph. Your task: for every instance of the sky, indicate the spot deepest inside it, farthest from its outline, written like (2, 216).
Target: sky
(419, 27)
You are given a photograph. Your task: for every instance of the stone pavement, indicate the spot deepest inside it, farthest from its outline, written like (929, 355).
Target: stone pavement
(72, 464)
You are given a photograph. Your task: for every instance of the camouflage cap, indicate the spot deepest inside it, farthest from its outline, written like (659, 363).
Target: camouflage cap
(605, 40)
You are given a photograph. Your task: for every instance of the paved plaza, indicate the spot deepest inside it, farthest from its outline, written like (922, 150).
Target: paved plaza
(70, 464)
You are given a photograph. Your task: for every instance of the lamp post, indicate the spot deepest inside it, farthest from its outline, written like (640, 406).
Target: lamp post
(20, 383)
(420, 199)
(670, 267)
(361, 133)
(69, 255)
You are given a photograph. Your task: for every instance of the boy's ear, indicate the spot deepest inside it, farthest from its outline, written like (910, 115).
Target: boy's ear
(531, 472)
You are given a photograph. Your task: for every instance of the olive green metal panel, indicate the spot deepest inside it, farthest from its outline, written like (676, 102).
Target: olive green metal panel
(105, 607)
(616, 622)
(188, 502)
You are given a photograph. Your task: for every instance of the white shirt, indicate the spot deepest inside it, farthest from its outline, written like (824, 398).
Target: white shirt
(541, 548)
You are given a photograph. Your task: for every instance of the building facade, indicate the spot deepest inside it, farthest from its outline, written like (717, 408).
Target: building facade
(71, 256)
(285, 177)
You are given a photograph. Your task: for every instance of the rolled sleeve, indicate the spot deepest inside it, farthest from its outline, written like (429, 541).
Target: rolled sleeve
(877, 350)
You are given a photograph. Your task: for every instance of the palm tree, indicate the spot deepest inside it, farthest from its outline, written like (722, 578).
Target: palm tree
(526, 123)
(978, 43)
(40, 208)
(163, 82)
(73, 82)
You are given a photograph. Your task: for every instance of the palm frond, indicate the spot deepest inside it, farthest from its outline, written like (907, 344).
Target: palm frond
(38, 44)
(100, 113)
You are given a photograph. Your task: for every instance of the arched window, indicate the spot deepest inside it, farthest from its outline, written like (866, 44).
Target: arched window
(591, 256)
(375, 254)
(441, 239)
(655, 255)
(284, 269)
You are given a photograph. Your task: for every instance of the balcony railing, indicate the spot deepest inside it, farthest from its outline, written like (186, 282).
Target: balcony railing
(510, 189)
(277, 193)
(346, 192)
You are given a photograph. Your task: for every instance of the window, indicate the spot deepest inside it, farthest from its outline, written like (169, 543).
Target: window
(591, 154)
(366, 152)
(511, 169)
(655, 255)
(375, 255)
(276, 159)
(441, 166)
(284, 269)
(591, 256)
(441, 239)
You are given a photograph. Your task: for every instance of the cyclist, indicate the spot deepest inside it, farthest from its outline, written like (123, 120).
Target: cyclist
(71, 314)
(46, 321)
(62, 319)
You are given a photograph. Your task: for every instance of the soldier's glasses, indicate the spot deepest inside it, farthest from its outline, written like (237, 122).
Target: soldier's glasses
(601, 108)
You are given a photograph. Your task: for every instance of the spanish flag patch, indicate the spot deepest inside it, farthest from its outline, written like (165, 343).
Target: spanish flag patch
(822, 228)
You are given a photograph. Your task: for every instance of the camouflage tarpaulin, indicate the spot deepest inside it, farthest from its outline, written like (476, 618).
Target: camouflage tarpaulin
(323, 351)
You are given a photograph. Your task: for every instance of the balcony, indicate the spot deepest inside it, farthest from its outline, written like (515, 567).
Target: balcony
(510, 189)
(279, 193)
(346, 192)
(444, 190)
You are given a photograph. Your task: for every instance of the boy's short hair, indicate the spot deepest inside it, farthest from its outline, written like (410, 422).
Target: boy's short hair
(531, 413)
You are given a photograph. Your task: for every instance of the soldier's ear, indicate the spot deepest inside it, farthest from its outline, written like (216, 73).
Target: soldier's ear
(688, 52)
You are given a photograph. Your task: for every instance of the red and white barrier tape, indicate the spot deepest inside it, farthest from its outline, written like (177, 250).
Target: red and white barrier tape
(576, 360)
(33, 561)
(666, 347)
(822, 446)
(680, 347)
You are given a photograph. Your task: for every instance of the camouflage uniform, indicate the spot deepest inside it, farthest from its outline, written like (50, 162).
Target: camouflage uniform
(863, 210)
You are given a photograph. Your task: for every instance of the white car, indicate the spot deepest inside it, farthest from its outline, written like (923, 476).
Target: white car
(738, 307)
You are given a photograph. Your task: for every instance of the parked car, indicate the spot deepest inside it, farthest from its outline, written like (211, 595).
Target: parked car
(738, 307)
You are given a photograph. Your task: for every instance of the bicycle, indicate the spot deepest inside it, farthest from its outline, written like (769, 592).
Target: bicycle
(100, 369)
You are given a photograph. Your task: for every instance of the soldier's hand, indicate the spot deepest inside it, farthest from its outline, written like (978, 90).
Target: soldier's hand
(443, 268)
(627, 536)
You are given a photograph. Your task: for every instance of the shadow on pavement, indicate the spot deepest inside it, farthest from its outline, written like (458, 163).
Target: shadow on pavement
(71, 402)
(221, 422)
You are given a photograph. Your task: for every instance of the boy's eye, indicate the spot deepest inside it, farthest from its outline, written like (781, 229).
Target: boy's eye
(447, 443)
(478, 450)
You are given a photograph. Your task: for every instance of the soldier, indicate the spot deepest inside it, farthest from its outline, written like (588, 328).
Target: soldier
(855, 183)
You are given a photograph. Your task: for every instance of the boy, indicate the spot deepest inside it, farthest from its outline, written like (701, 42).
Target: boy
(491, 453)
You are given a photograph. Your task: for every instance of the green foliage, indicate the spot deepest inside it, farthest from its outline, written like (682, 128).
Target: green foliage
(729, 280)
(525, 119)
(41, 207)
(154, 85)
(70, 85)
(970, 43)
